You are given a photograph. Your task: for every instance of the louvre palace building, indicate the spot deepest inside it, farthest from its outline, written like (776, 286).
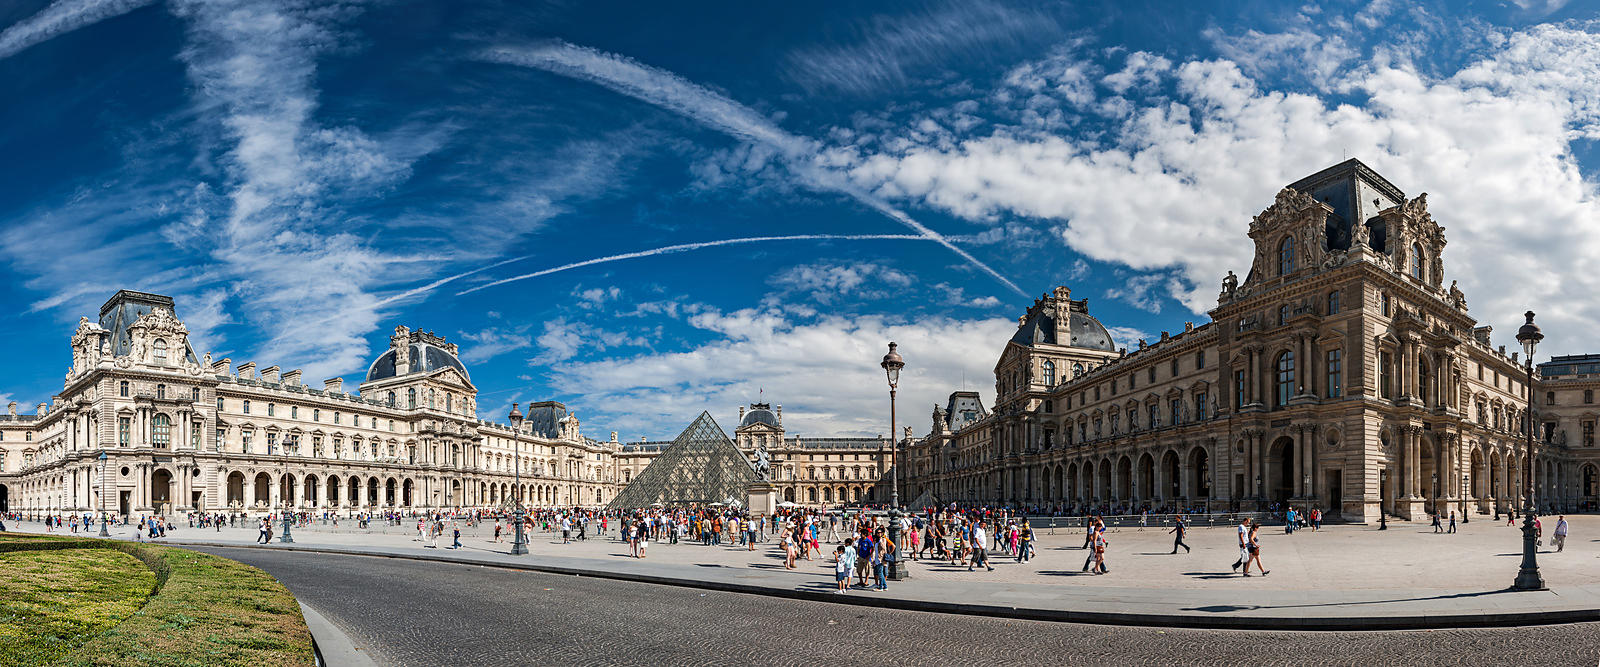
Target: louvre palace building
(183, 433)
(1343, 373)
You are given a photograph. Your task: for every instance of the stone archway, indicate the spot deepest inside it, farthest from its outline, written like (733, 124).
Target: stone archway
(160, 489)
(1144, 486)
(263, 490)
(1280, 470)
(1124, 488)
(333, 491)
(1200, 470)
(235, 489)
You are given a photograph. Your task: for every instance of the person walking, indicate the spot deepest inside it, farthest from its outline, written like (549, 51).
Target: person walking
(455, 533)
(1438, 527)
(1559, 538)
(1254, 547)
(980, 550)
(1178, 529)
(1100, 550)
(1025, 543)
(1244, 545)
(841, 570)
(1452, 522)
(880, 560)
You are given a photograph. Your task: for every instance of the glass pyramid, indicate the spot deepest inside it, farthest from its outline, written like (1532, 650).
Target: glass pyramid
(702, 466)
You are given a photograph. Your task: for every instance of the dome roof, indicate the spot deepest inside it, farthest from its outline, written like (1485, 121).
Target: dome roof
(1085, 331)
(759, 416)
(425, 358)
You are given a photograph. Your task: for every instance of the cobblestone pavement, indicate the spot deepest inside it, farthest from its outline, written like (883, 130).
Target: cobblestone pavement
(419, 613)
(1482, 556)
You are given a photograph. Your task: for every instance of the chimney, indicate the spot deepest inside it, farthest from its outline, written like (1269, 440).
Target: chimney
(741, 414)
(613, 437)
(247, 370)
(334, 385)
(292, 378)
(780, 416)
(12, 409)
(223, 367)
(43, 409)
(269, 374)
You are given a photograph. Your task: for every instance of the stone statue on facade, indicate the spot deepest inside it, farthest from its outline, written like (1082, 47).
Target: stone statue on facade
(1457, 299)
(1360, 235)
(1230, 285)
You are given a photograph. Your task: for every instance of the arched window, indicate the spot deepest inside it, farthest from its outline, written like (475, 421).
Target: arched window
(162, 431)
(160, 348)
(391, 399)
(1285, 384)
(1416, 261)
(1077, 369)
(1049, 374)
(411, 399)
(1286, 256)
(449, 402)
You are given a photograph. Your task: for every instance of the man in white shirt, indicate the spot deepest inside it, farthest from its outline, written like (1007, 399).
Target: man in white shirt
(979, 548)
(1244, 543)
(1560, 538)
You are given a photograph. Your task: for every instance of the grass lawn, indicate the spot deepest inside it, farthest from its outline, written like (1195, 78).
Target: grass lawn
(205, 611)
(53, 601)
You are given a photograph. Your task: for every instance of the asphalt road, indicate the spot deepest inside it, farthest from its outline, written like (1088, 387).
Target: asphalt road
(425, 613)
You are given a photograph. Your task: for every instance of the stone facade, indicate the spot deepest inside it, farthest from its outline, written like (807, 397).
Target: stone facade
(182, 433)
(1344, 373)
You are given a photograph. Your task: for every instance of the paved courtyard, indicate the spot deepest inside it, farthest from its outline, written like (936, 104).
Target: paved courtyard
(420, 613)
(1481, 556)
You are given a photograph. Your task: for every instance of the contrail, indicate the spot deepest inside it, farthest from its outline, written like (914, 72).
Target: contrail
(707, 107)
(685, 247)
(61, 17)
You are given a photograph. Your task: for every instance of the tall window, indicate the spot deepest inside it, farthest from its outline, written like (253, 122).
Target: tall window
(1285, 383)
(294, 412)
(1423, 375)
(160, 348)
(1155, 416)
(411, 399)
(1200, 359)
(1286, 256)
(1049, 374)
(1549, 398)
(194, 435)
(1385, 376)
(124, 429)
(1200, 406)
(271, 408)
(1588, 396)
(1333, 303)
(272, 443)
(449, 402)
(1152, 373)
(1335, 373)
(1416, 261)
(247, 439)
(1238, 389)
(316, 415)
(1283, 314)
(1174, 367)
(391, 399)
(161, 433)
(1383, 304)
(247, 406)
(1177, 411)
(1077, 369)
(161, 391)
(1588, 434)
(122, 389)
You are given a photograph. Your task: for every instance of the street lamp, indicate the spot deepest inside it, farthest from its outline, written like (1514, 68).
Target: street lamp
(1528, 578)
(519, 546)
(288, 517)
(892, 363)
(1435, 505)
(1466, 485)
(103, 517)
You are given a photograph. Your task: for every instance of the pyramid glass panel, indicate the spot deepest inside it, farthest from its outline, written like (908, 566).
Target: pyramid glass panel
(702, 466)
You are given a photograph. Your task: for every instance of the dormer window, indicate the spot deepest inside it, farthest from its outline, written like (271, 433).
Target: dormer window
(1286, 256)
(160, 348)
(1416, 261)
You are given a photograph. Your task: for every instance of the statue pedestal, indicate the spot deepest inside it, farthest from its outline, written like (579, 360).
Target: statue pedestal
(763, 498)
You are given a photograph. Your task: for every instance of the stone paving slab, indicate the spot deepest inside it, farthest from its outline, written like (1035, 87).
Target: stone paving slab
(1343, 577)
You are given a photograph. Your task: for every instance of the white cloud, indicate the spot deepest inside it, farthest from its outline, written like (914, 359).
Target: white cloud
(1139, 68)
(1171, 188)
(59, 18)
(492, 342)
(889, 51)
(1127, 337)
(678, 95)
(596, 297)
(824, 372)
(827, 283)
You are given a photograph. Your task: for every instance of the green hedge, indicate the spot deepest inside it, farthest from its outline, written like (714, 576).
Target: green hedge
(204, 611)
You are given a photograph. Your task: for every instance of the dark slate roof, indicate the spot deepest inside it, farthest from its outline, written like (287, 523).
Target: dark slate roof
(425, 358)
(544, 418)
(126, 307)
(1086, 331)
(1350, 188)
(759, 414)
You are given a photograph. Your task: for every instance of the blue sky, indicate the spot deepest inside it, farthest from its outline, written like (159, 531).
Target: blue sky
(303, 176)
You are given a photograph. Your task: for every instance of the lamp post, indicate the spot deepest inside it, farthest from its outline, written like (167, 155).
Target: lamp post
(519, 546)
(1383, 486)
(288, 517)
(892, 363)
(1466, 485)
(1528, 578)
(1435, 506)
(103, 517)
